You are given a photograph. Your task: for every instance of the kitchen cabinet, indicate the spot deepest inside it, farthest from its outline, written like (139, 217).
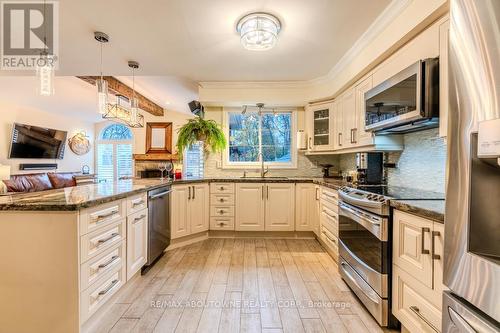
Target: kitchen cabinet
(250, 207)
(307, 208)
(348, 109)
(222, 203)
(189, 209)
(418, 272)
(360, 136)
(279, 207)
(329, 220)
(338, 126)
(265, 207)
(444, 36)
(320, 122)
(137, 241)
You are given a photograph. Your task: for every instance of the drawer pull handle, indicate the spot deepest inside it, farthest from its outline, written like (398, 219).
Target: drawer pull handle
(139, 218)
(423, 231)
(221, 212)
(105, 291)
(137, 203)
(107, 263)
(107, 239)
(103, 216)
(221, 188)
(330, 239)
(222, 224)
(416, 311)
(221, 200)
(433, 245)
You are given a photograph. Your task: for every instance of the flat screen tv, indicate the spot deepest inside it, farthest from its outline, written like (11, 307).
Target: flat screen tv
(37, 142)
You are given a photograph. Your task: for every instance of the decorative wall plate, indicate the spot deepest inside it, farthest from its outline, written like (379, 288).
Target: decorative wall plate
(79, 144)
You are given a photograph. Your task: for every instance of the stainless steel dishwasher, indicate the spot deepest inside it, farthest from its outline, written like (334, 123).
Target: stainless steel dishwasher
(159, 224)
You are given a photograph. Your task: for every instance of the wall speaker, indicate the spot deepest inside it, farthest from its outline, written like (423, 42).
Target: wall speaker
(196, 108)
(38, 166)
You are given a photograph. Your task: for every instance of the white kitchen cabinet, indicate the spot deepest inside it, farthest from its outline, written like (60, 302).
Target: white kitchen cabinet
(199, 208)
(189, 209)
(360, 136)
(348, 109)
(179, 220)
(444, 35)
(137, 241)
(320, 122)
(307, 207)
(280, 212)
(338, 126)
(418, 272)
(250, 207)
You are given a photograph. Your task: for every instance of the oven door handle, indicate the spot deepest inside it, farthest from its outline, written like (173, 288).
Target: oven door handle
(368, 293)
(357, 214)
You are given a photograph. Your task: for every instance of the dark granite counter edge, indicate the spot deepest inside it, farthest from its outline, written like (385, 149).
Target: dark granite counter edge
(335, 184)
(416, 207)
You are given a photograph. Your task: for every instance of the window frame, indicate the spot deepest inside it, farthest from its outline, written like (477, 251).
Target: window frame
(226, 164)
(115, 144)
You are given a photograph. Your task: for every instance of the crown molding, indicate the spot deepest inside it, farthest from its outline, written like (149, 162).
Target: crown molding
(395, 8)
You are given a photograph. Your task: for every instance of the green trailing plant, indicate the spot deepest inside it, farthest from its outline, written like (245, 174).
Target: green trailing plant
(199, 129)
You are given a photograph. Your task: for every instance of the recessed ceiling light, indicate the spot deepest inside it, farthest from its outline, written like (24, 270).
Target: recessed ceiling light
(167, 103)
(258, 31)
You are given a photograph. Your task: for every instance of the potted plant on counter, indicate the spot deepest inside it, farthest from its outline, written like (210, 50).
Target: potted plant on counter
(199, 129)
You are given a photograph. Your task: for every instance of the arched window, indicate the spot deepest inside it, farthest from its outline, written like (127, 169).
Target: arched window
(114, 153)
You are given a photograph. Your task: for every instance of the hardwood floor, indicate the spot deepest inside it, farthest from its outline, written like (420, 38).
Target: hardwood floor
(239, 285)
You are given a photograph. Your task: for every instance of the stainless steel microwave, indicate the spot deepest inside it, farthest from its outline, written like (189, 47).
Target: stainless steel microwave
(406, 102)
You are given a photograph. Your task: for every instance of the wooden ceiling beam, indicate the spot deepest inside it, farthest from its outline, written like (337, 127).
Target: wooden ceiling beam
(117, 87)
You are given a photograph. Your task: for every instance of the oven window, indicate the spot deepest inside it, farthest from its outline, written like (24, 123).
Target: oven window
(368, 248)
(484, 226)
(397, 100)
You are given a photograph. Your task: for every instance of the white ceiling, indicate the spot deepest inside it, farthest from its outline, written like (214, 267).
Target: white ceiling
(196, 39)
(76, 98)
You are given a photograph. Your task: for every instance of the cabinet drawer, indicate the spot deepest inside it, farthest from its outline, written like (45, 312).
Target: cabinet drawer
(95, 296)
(330, 240)
(329, 220)
(102, 264)
(137, 203)
(96, 217)
(221, 188)
(222, 199)
(222, 211)
(100, 240)
(222, 223)
(411, 303)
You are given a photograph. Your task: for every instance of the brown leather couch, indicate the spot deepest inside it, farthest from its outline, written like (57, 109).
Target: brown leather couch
(35, 182)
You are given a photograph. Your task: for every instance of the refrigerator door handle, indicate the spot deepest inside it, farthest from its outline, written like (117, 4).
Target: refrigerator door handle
(460, 322)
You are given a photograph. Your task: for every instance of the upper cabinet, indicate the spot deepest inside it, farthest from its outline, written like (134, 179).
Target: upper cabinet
(320, 127)
(444, 35)
(348, 110)
(361, 137)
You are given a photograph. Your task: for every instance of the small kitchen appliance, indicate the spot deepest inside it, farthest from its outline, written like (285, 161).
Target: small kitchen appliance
(370, 168)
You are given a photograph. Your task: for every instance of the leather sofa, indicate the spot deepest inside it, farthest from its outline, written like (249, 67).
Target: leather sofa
(35, 182)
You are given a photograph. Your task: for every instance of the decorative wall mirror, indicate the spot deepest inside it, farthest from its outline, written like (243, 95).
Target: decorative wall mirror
(159, 138)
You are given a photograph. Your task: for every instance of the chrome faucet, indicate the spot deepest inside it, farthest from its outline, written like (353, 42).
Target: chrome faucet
(263, 171)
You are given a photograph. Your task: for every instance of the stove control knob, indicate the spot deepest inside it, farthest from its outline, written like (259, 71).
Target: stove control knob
(381, 199)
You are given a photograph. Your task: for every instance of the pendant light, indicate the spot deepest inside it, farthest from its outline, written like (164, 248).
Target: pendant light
(134, 102)
(45, 66)
(102, 85)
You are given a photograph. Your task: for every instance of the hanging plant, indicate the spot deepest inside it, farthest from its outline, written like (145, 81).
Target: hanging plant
(199, 129)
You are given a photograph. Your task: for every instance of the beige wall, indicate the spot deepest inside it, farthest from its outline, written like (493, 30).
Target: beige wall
(11, 113)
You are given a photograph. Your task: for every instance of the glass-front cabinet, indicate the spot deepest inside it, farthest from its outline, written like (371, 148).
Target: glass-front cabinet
(319, 121)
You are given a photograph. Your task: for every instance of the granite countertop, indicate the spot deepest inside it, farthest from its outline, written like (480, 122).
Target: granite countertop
(84, 196)
(78, 197)
(430, 209)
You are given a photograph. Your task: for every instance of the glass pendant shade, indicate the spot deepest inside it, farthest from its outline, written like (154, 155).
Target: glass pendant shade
(102, 96)
(134, 110)
(45, 75)
(258, 31)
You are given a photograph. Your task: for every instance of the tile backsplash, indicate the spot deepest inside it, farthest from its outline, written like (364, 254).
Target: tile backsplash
(421, 165)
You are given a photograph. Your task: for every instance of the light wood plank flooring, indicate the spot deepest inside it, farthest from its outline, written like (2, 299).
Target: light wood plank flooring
(239, 285)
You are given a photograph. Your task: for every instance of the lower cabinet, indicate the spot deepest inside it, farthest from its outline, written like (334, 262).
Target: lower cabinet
(265, 207)
(307, 208)
(137, 242)
(417, 272)
(189, 209)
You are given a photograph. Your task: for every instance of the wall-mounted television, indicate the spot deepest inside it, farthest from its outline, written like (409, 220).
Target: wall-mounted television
(37, 142)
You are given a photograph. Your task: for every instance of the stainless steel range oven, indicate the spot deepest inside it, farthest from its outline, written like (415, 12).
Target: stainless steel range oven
(364, 250)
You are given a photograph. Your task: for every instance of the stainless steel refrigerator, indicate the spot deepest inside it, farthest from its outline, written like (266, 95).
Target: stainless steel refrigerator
(472, 226)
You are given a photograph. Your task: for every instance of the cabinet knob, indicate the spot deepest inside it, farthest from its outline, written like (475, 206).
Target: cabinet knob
(222, 224)
(221, 200)
(221, 211)
(221, 188)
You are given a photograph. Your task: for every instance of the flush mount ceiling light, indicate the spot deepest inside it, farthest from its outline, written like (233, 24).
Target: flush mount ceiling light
(258, 31)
